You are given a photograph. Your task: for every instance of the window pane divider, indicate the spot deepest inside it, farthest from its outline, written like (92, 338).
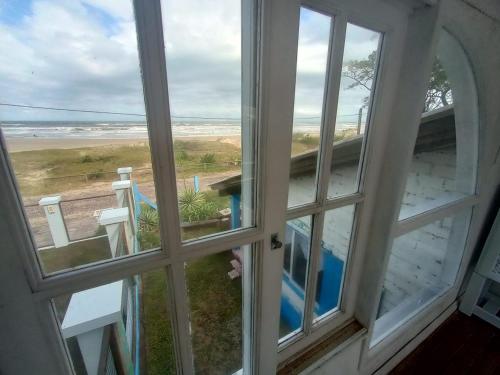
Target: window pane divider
(330, 102)
(344, 201)
(404, 226)
(98, 274)
(215, 243)
(154, 74)
(309, 209)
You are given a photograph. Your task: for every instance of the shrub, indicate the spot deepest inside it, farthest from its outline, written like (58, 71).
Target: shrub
(194, 206)
(149, 219)
(86, 159)
(207, 159)
(181, 156)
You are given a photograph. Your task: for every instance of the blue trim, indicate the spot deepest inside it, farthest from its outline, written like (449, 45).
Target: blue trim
(137, 329)
(235, 211)
(196, 183)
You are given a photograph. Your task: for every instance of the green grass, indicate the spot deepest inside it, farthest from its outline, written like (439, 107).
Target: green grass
(46, 171)
(158, 346)
(75, 254)
(215, 303)
(216, 309)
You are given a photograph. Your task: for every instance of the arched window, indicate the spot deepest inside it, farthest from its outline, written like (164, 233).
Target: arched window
(431, 231)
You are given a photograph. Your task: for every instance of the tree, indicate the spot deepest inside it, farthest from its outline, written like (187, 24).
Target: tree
(361, 73)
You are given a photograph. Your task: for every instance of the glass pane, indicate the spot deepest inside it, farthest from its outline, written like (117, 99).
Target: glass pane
(72, 116)
(444, 159)
(423, 264)
(298, 244)
(312, 55)
(212, 139)
(215, 291)
(357, 84)
(335, 244)
(120, 327)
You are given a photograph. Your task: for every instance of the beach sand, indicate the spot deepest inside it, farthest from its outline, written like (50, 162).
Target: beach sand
(31, 144)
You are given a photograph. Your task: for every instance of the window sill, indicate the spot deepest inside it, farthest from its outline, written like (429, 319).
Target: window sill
(324, 348)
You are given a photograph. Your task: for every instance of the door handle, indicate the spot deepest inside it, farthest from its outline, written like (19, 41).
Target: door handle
(275, 243)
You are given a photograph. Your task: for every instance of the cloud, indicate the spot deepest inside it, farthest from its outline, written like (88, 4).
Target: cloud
(83, 55)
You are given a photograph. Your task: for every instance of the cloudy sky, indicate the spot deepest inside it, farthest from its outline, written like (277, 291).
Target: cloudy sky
(83, 55)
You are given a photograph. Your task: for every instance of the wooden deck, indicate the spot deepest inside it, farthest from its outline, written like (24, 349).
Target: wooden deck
(461, 345)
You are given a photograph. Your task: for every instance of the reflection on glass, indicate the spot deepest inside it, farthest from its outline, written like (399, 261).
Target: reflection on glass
(312, 55)
(335, 244)
(120, 327)
(215, 293)
(212, 140)
(297, 250)
(444, 158)
(423, 264)
(356, 86)
(79, 141)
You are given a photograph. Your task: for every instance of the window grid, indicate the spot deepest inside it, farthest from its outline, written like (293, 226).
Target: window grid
(322, 204)
(171, 257)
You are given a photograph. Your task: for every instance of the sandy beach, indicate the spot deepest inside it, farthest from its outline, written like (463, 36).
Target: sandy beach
(33, 144)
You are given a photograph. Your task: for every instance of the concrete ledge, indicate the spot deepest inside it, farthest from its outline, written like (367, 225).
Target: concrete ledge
(46, 201)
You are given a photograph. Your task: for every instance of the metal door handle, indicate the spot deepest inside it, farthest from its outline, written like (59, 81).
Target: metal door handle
(275, 243)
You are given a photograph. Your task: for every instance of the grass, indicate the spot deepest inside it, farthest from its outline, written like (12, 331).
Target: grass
(215, 305)
(75, 254)
(158, 346)
(216, 309)
(46, 171)
(302, 142)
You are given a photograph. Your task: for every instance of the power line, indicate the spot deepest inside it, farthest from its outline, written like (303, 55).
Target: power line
(141, 114)
(69, 109)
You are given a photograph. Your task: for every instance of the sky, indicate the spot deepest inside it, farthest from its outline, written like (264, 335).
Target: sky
(82, 54)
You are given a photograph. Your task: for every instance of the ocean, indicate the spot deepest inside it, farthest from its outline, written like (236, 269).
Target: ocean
(125, 129)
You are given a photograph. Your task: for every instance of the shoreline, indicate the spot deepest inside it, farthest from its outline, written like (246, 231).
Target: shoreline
(37, 144)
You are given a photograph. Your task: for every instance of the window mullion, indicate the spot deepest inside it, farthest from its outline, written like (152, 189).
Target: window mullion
(154, 76)
(404, 226)
(153, 64)
(330, 102)
(314, 257)
(334, 69)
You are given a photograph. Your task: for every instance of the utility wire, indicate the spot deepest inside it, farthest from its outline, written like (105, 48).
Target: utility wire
(141, 114)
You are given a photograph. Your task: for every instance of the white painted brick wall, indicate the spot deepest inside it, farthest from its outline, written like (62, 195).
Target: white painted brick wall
(417, 258)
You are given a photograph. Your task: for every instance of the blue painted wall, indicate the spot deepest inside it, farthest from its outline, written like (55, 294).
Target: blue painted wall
(328, 291)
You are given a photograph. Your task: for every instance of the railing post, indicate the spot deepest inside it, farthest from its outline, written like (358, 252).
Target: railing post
(112, 219)
(125, 173)
(52, 208)
(125, 198)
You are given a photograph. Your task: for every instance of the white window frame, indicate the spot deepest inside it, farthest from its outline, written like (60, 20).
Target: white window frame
(275, 74)
(379, 350)
(390, 28)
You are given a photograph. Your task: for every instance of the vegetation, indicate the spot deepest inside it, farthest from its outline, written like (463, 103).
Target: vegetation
(158, 343)
(59, 170)
(75, 254)
(361, 73)
(194, 206)
(216, 309)
(207, 159)
(215, 305)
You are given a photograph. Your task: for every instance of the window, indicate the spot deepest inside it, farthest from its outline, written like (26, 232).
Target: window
(75, 127)
(327, 155)
(194, 177)
(436, 208)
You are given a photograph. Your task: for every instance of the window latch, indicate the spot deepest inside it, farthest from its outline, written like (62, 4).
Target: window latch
(275, 243)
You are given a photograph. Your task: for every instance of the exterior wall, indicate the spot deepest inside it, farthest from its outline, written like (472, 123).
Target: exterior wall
(418, 258)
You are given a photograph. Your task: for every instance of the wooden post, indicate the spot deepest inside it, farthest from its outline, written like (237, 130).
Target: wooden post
(52, 208)
(112, 219)
(125, 198)
(360, 115)
(125, 173)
